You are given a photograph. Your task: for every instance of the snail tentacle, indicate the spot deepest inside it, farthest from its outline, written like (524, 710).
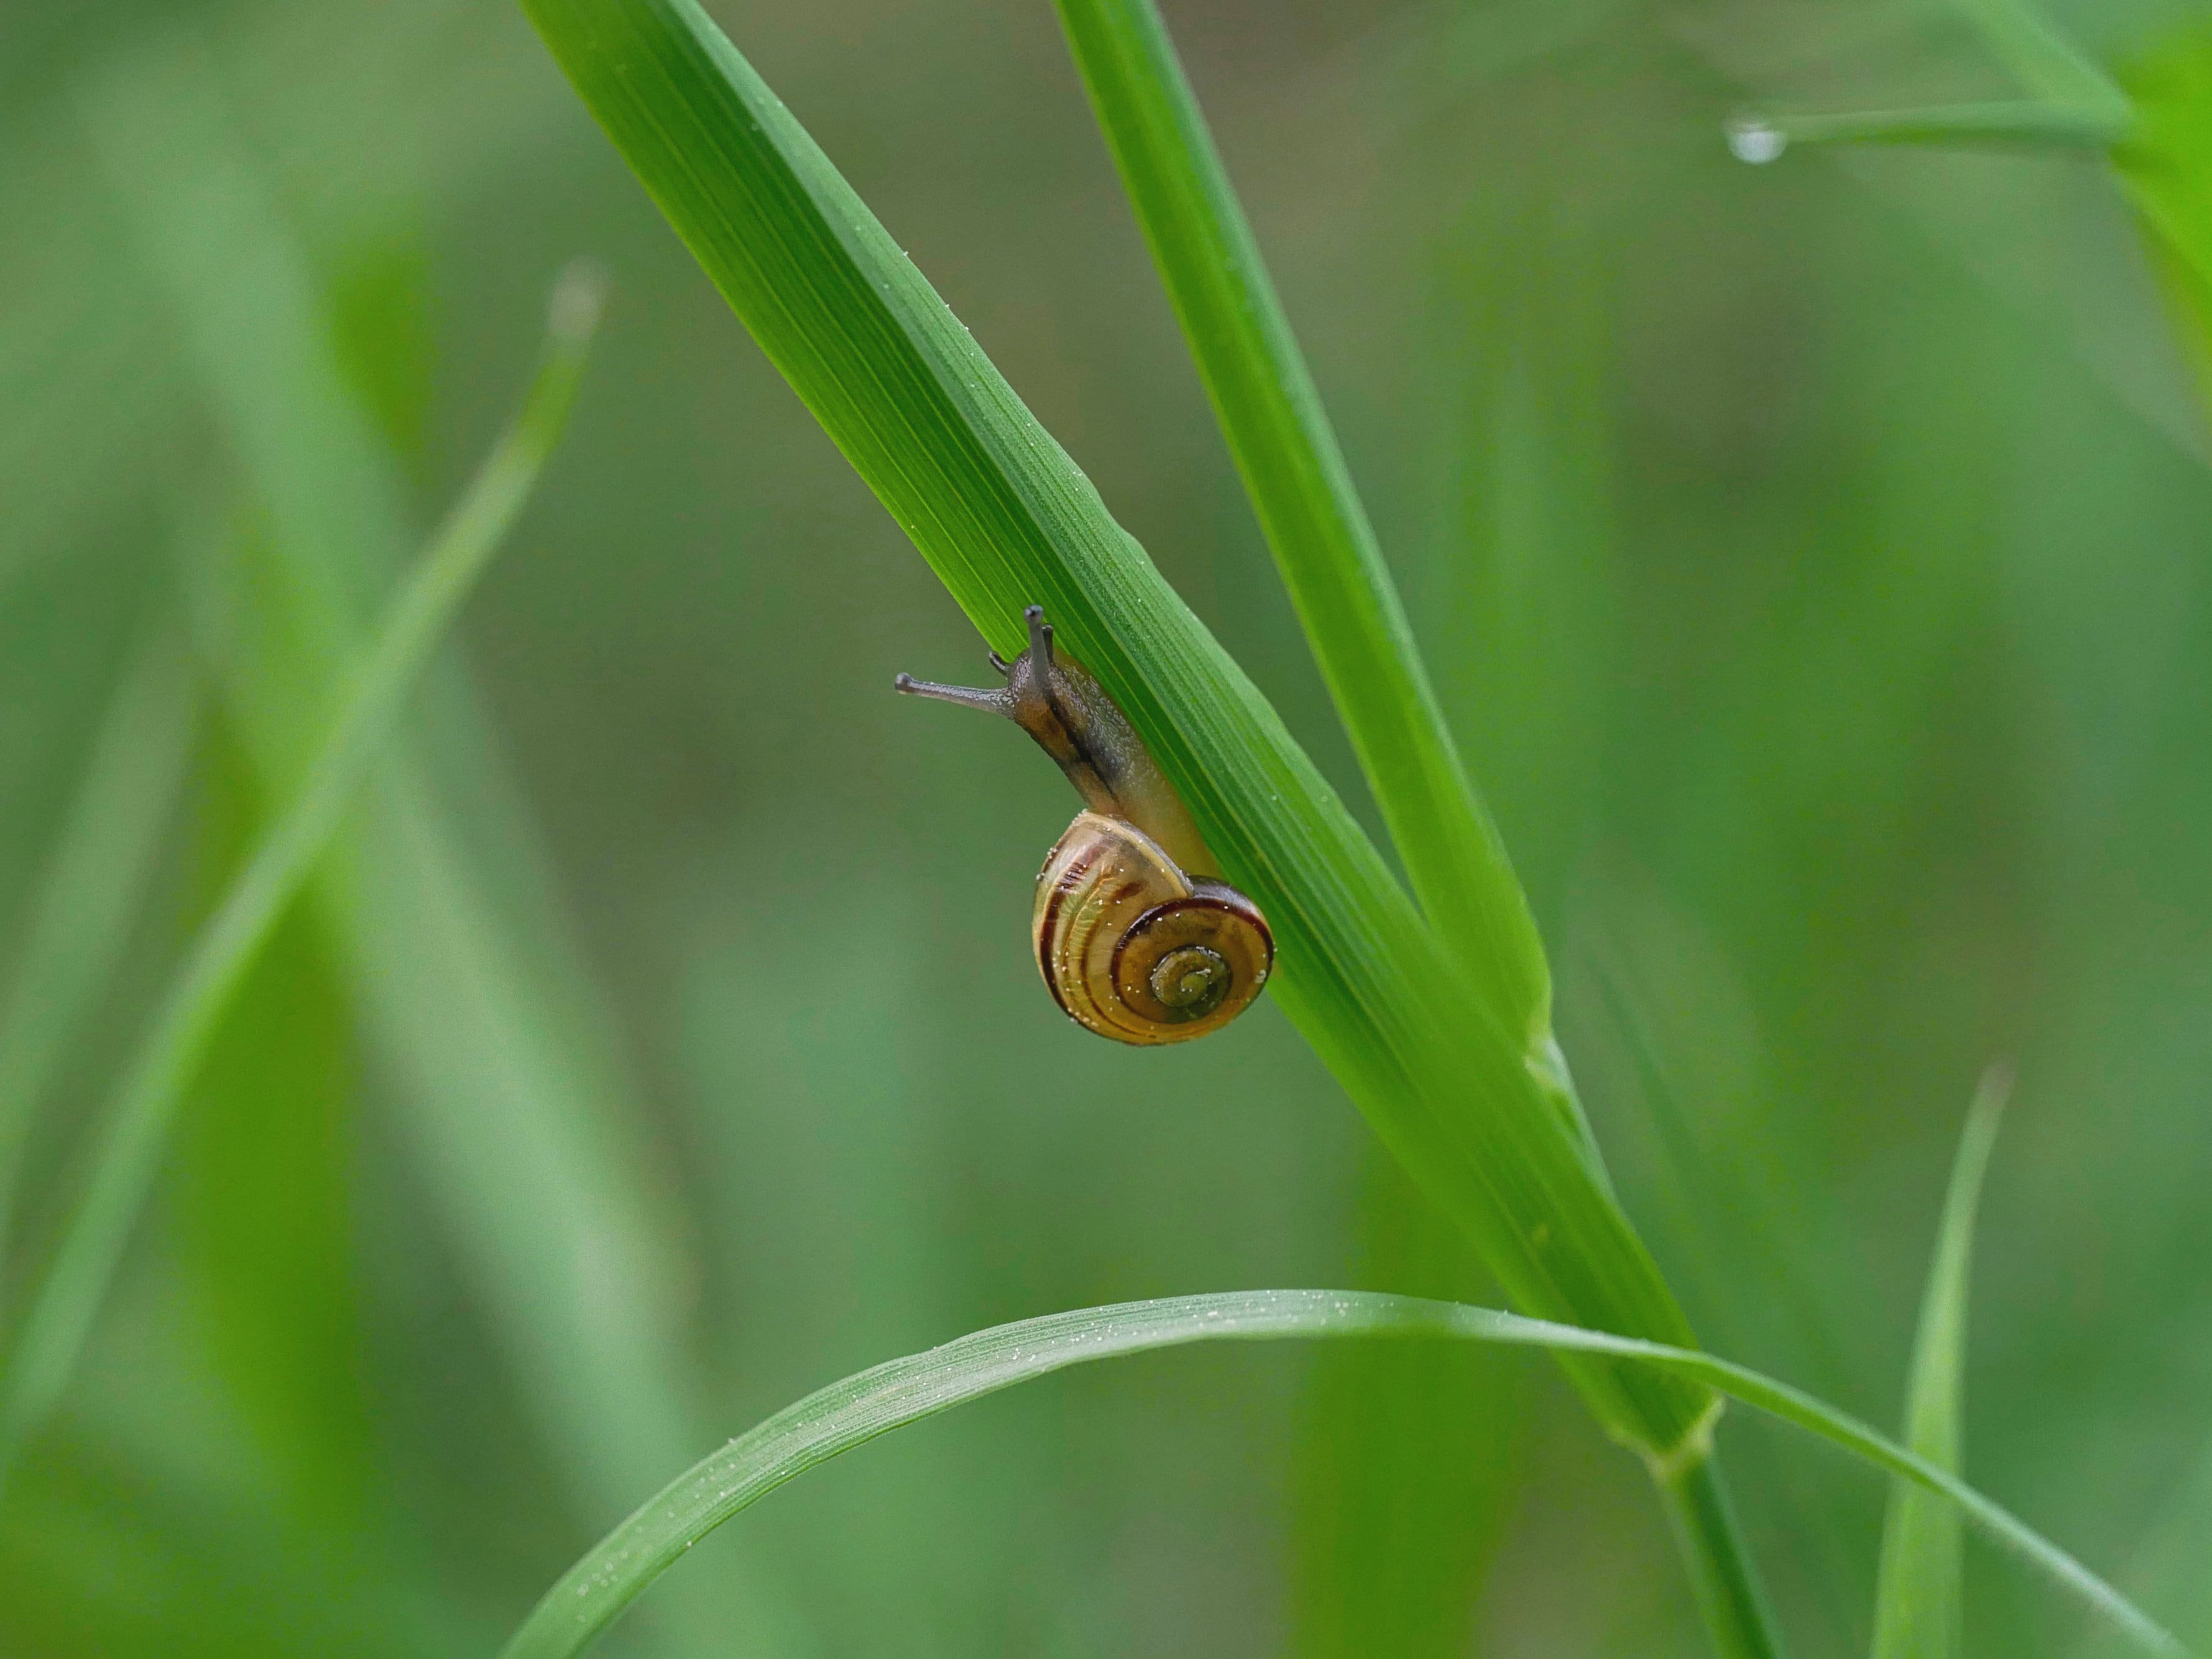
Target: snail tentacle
(967, 696)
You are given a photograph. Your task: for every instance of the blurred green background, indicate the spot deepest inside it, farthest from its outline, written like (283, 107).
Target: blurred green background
(1814, 558)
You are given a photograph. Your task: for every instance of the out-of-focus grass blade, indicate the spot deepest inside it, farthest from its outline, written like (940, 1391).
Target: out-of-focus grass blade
(2168, 1565)
(850, 1413)
(87, 899)
(2166, 166)
(2155, 125)
(1271, 412)
(128, 1153)
(2041, 59)
(1919, 1603)
(508, 1091)
(2073, 103)
(1478, 1113)
(1742, 1232)
(2025, 125)
(117, 1554)
(260, 1196)
(1405, 1457)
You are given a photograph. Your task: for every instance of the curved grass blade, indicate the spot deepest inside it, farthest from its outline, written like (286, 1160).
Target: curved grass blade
(1919, 1609)
(129, 1152)
(848, 1414)
(1270, 411)
(1006, 518)
(103, 857)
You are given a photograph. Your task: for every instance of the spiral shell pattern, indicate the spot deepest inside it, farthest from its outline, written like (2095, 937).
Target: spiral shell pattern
(1134, 949)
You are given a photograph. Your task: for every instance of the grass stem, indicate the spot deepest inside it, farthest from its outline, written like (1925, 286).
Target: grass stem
(1729, 1593)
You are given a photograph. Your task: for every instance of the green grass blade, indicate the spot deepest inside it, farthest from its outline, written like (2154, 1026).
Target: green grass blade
(2043, 60)
(1919, 1607)
(510, 1095)
(1760, 138)
(1271, 412)
(2073, 103)
(103, 858)
(1006, 518)
(2167, 1563)
(128, 1155)
(1407, 1459)
(850, 1413)
(2166, 168)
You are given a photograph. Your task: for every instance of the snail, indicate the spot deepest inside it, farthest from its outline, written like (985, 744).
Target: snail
(1138, 937)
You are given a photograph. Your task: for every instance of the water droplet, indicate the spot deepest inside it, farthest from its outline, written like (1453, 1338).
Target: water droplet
(1752, 139)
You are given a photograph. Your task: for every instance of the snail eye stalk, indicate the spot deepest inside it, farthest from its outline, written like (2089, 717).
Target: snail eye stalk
(995, 701)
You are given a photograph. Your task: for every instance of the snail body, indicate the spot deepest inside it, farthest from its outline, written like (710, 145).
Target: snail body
(1137, 937)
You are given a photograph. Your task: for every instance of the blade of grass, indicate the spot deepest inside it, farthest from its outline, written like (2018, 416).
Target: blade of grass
(509, 1094)
(2167, 1563)
(1919, 1609)
(1406, 1460)
(850, 1413)
(1744, 1231)
(1761, 138)
(103, 857)
(128, 1155)
(2074, 103)
(260, 1215)
(2043, 60)
(1270, 411)
(1006, 518)
(2166, 168)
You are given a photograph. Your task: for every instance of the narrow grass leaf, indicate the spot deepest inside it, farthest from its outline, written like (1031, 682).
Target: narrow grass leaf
(510, 1095)
(2025, 125)
(1006, 518)
(2167, 167)
(89, 893)
(850, 1413)
(128, 1154)
(2166, 1563)
(2072, 103)
(2044, 61)
(1407, 1457)
(1271, 412)
(1919, 1601)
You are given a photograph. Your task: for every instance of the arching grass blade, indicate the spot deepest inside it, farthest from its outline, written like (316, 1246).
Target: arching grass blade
(848, 1414)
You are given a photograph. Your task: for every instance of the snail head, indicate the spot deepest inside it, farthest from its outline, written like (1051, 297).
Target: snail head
(1061, 704)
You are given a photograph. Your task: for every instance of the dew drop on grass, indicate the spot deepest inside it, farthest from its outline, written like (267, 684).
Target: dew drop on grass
(1756, 140)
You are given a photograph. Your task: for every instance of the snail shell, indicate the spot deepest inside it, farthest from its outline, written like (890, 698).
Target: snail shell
(1135, 950)
(1138, 939)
